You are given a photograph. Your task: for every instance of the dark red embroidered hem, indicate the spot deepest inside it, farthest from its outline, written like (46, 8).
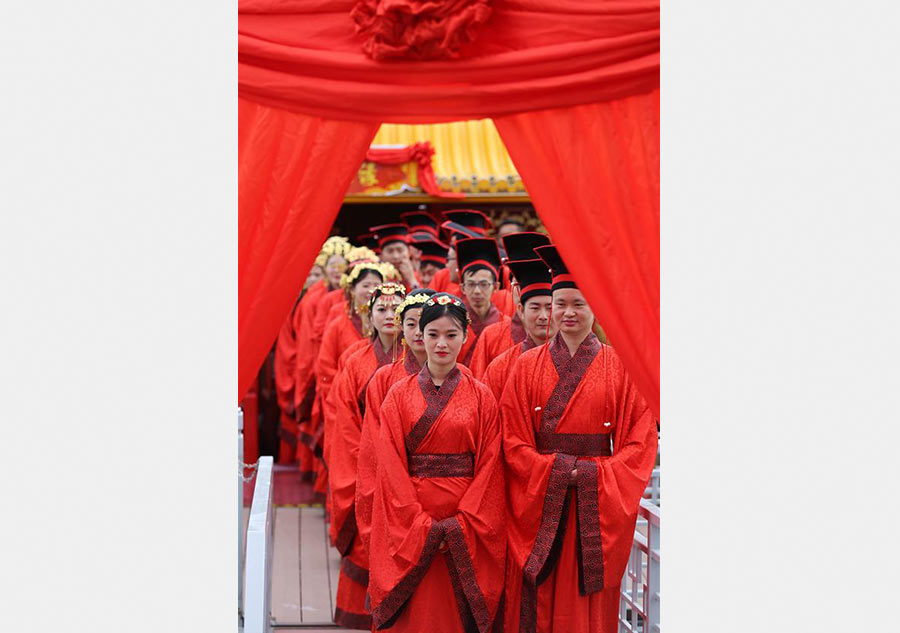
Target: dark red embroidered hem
(359, 575)
(590, 547)
(385, 614)
(463, 575)
(553, 519)
(344, 539)
(360, 621)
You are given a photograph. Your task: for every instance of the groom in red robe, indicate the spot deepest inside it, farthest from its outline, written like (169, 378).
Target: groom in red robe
(579, 446)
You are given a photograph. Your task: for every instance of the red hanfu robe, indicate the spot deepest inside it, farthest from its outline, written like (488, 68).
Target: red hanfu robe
(475, 329)
(382, 380)
(322, 318)
(494, 340)
(498, 372)
(285, 360)
(339, 335)
(503, 299)
(342, 435)
(304, 375)
(441, 283)
(569, 545)
(439, 479)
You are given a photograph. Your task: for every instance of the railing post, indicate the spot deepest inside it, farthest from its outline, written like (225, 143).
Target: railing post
(653, 577)
(258, 566)
(240, 516)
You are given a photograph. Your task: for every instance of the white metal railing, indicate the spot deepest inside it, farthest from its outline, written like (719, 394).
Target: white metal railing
(240, 517)
(651, 493)
(639, 601)
(258, 564)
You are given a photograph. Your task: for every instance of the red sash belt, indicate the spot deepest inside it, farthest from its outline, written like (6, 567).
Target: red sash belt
(577, 444)
(442, 465)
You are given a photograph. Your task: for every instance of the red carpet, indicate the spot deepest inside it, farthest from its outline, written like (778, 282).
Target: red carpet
(288, 489)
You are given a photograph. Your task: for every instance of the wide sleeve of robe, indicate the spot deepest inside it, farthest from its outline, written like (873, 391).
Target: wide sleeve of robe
(481, 354)
(536, 483)
(405, 538)
(344, 423)
(365, 463)
(610, 488)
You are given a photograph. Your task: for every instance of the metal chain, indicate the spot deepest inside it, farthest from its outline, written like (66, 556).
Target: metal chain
(252, 467)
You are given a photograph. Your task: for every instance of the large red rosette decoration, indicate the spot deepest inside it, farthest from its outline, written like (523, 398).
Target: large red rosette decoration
(418, 29)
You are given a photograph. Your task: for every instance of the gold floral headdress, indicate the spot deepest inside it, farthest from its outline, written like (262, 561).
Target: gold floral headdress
(386, 270)
(334, 245)
(410, 300)
(361, 254)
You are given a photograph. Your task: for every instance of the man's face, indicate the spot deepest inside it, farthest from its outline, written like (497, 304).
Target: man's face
(478, 286)
(571, 314)
(451, 265)
(510, 227)
(395, 253)
(535, 315)
(426, 272)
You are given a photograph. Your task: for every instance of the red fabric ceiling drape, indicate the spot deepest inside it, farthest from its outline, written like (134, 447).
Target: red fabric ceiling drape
(592, 172)
(563, 80)
(305, 55)
(293, 170)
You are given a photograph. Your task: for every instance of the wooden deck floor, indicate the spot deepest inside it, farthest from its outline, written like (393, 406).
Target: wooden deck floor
(305, 570)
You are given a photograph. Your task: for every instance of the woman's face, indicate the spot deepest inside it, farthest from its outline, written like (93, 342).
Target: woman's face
(364, 287)
(314, 275)
(334, 268)
(443, 339)
(383, 314)
(411, 333)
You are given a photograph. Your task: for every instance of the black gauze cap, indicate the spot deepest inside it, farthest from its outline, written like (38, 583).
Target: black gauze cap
(418, 221)
(479, 251)
(561, 277)
(533, 278)
(520, 246)
(387, 233)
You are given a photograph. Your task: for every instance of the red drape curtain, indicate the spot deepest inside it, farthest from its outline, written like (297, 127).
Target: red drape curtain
(592, 172)
(573, 87)
(293, 170)
(306, 56)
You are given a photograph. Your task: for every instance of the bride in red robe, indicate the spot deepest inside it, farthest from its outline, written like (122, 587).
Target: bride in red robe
(579, 446)
(346, 329)
(347, 406)
(410, 363)
(438, 519)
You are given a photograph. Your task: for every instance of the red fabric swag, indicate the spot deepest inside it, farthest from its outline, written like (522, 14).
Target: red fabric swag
(293, 171)
(597, 166)
(306, 56)
(421, 153)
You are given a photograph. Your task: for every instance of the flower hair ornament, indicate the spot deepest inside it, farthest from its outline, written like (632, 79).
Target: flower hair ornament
(361, 254)
(447, 300)
(387, 272)
(410, 300)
